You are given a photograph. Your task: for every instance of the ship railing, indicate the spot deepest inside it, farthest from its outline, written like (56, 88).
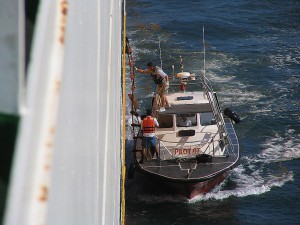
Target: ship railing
(216, 109)
(232, 137)
(164, 148)
(212, 141)
(214, 103)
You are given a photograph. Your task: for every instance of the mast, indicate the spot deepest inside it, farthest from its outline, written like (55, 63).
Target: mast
(204, 86)
(204, 68)
(160, 52)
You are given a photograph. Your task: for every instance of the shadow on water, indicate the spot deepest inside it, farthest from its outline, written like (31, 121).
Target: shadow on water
(141, 188)
(147, 204)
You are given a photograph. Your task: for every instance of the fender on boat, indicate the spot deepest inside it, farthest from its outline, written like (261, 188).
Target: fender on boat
(232, 115)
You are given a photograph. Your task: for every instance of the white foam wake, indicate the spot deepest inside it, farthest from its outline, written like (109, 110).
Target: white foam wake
(260, 173)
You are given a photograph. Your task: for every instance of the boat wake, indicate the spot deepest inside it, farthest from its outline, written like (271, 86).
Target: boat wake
(260, 173)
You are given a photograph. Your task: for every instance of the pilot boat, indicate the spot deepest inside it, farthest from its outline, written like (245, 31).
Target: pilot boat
(197, 142)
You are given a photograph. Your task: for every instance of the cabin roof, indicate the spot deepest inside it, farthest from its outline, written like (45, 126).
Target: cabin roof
(198, 98)
(195, 103)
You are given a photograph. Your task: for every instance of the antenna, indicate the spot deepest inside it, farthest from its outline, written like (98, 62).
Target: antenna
(160, 52)
(204, 68)
(181, 63)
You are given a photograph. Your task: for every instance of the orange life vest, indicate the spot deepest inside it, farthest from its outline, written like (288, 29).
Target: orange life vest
(148, 125)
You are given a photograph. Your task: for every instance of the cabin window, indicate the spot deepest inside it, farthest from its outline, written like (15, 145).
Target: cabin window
(186, 120)
(207, 119)
(165, 121)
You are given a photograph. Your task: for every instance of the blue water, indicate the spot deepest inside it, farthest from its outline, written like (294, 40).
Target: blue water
(253, 61)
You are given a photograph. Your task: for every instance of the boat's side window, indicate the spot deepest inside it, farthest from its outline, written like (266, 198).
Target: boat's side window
(186, 120)
(207, 118)
(165, 121)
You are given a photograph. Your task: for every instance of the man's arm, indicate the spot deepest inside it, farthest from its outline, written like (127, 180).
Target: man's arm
(156, 122)
(146, 71)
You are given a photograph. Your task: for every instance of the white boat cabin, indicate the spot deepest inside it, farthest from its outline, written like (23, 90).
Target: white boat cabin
(188, 127)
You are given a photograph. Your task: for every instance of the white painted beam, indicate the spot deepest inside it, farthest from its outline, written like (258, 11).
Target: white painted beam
(67, 168)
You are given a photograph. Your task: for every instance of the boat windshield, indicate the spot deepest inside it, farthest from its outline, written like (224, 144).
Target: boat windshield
(186, 120)
(207, 119)
(165, 120)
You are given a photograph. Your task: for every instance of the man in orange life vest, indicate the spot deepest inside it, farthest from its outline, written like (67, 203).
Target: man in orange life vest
(148, 127)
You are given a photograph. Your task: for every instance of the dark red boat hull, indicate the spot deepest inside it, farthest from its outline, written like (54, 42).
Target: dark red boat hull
(188, 189)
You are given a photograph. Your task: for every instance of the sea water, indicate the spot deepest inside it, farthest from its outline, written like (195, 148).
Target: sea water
(253, 62)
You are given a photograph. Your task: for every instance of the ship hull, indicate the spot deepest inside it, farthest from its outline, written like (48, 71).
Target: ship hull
(188, 189)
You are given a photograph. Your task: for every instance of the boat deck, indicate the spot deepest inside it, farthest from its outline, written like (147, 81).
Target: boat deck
(189, 169)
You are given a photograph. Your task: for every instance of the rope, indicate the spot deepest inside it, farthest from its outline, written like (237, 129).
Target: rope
(126, 50)
(132, 76)
(123, 155)
(134, 104)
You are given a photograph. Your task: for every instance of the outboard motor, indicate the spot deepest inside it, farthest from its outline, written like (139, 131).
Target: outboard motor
(232, 115)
